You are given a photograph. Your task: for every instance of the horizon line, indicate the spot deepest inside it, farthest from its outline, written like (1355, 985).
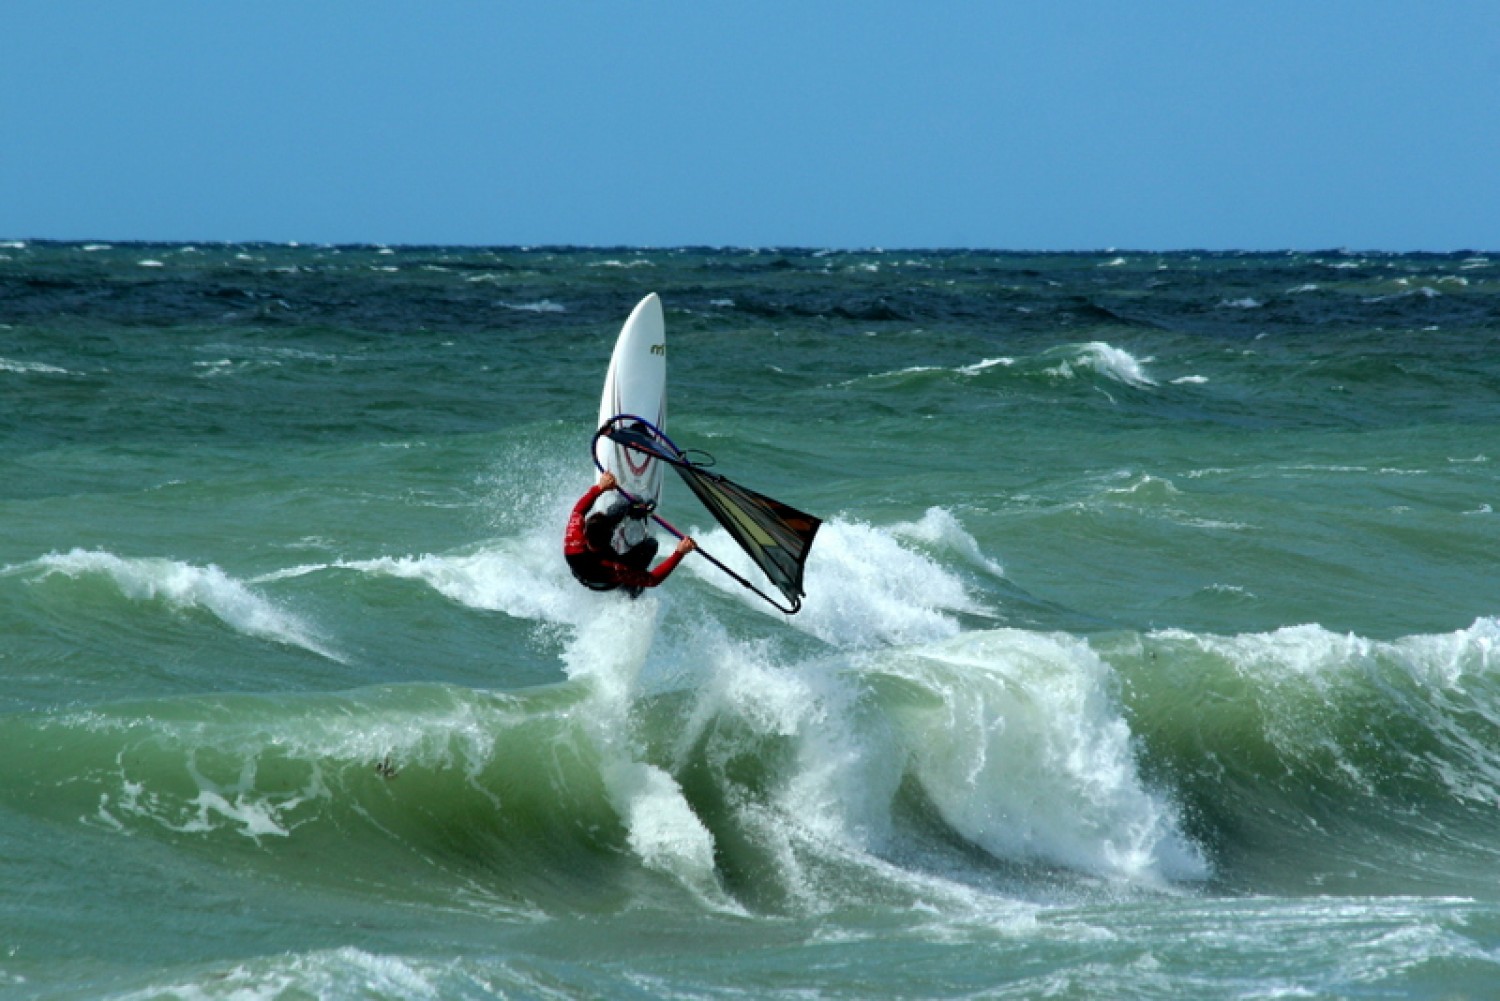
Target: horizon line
(102, 243)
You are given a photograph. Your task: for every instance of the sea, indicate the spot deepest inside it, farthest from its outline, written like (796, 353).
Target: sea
(1150, 647)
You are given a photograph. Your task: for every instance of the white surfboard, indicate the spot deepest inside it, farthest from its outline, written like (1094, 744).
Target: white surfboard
(636, 384)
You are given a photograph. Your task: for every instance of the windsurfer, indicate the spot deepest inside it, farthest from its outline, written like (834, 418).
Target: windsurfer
(589, 547)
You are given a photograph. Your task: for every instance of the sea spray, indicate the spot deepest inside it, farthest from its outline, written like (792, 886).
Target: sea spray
(792, 772)
(606, 654)
(864, 587)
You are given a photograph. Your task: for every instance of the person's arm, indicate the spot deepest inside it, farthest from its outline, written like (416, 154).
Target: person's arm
(661, 571)
(573, 540)
(631, 577)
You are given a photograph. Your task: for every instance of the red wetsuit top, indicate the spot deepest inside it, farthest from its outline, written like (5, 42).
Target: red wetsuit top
(604, 569)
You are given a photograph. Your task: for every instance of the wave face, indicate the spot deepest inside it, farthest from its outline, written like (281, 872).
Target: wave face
(1150, 638)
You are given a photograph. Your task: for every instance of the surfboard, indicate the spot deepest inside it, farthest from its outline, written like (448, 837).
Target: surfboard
(636, 384)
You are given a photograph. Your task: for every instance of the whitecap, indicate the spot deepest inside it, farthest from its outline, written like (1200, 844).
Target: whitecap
(864, 587)
(1112, 362)
(1024, 751)
(526, 581)
(540, 306)
(151, 263)
(1245, 303)
(661, 827)
(33, 367)
(893, 374)
(184, 586)
(980, 366)
(222, 366)
(939, 527)
(1425, 291)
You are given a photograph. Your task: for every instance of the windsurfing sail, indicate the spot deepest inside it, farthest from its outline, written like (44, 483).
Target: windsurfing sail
(776, 536)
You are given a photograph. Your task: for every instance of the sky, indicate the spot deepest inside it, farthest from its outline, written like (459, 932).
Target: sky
(1056, 125)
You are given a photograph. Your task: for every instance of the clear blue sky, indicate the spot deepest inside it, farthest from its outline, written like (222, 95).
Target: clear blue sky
(1049, 124)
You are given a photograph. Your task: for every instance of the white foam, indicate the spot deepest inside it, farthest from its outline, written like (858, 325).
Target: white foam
(1109, 361)
(607, 652)
(1299, 670)
(660, 825)
(540, 306)
(987, 363)
(1425, 292)
(864, 588)
(184, 586)
(939, 527)
(828, 778)
(338, 973)
(1245, 303)
(236, 805)
(522, 580)
(1448, 658)
(31, 367)
(1025, 752)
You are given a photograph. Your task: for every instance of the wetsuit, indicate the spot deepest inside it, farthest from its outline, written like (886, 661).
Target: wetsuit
(604, 570)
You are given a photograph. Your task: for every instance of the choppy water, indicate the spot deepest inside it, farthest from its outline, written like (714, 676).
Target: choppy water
(1151, 647)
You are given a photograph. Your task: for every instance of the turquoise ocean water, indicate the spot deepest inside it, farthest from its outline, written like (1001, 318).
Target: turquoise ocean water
(1151, 646)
